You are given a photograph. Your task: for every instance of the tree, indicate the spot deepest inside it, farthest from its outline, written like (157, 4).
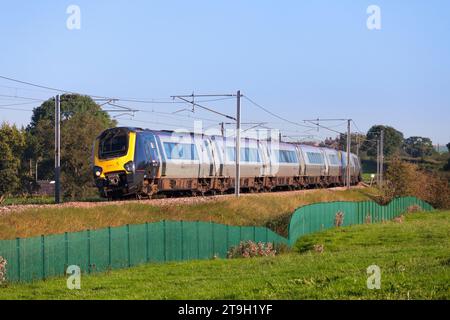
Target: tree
(81, 121)
(393, 140)
(448, 147)
(12, 143)
(418, 147)
(356, 140)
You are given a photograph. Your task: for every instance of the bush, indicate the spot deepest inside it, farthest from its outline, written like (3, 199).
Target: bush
(2, 270)
(250, 249)
(407, 179)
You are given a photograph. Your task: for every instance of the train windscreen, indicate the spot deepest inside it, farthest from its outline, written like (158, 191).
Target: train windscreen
(113, 144)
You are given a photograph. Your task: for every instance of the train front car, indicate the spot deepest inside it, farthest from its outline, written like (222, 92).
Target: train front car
(124, 159)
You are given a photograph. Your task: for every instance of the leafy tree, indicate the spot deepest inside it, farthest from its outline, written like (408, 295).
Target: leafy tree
(81, 121)
(12, 143)
(448, 147)
(355, 138)
(418, 147)
(393, 140)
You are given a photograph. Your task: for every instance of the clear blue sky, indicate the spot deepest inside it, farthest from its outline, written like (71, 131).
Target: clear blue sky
(300, 59)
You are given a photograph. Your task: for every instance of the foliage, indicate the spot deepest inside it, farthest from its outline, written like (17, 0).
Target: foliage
(250, 249)
(407, 179)
(393, 140)
(3, 264)
(413, 257)
(81, 121)
(12, 144)
(418, 147)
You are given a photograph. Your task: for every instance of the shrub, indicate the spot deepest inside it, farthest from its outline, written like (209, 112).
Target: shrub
(3, 263)
(339, 219)
(250, 249)
(407, 179)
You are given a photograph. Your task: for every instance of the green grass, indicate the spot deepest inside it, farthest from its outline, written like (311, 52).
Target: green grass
(271, 209)
(367, 177)
(14, 201)
(28, 200)
(414, 257)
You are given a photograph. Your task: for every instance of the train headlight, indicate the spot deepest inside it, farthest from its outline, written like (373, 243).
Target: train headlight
(97, 171)
(129, 166)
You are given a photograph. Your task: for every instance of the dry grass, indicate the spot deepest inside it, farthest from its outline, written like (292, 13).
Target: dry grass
(272, 210)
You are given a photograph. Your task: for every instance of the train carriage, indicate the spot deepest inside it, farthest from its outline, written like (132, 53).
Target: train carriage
(134, 161)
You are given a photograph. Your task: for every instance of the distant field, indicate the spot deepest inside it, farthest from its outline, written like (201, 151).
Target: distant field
(414, 257)
(270, 209)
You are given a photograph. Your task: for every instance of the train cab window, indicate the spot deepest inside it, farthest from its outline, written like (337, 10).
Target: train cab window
(334, 160)
(286, 156)
(315, 157)
(180, 151)
(113, 143)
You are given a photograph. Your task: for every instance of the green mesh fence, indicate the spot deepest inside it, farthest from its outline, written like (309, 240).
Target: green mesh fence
(120, 247)
(320, 216)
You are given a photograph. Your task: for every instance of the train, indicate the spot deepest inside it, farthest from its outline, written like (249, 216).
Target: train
(130, 161)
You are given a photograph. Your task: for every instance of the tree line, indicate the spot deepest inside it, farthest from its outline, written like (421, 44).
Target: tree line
(27, 154)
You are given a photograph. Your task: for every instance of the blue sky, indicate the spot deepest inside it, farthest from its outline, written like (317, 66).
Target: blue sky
(300, 59)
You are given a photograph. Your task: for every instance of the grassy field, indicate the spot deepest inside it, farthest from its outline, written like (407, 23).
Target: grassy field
(272, 210)
(414, 257)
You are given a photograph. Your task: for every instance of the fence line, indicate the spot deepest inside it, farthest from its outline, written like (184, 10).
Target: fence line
(130, 245)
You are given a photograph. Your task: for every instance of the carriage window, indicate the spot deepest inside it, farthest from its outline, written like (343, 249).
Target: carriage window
(334, 160)
(247, 154)
(286, 156)
(180, 151)
(315, 157)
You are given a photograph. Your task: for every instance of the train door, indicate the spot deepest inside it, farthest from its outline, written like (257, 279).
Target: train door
(266, 169)
(301, 159)
(218, 155)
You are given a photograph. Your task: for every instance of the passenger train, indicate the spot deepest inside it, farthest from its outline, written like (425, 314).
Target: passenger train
(143, 163)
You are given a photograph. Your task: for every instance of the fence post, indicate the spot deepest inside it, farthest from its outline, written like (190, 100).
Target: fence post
(66, 251)
(109, 248)
(212, 238)
(198, 239)
(89, 250)
(18, 257)
(43, 255)
(147, 253)
(128, 246)
(182, 243)
(164, 240)
(228, 237)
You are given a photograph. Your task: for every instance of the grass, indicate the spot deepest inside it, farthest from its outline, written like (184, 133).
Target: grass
(367, 177)
(414, 257)
(13, 201)
(272, 210)
(28, 200)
